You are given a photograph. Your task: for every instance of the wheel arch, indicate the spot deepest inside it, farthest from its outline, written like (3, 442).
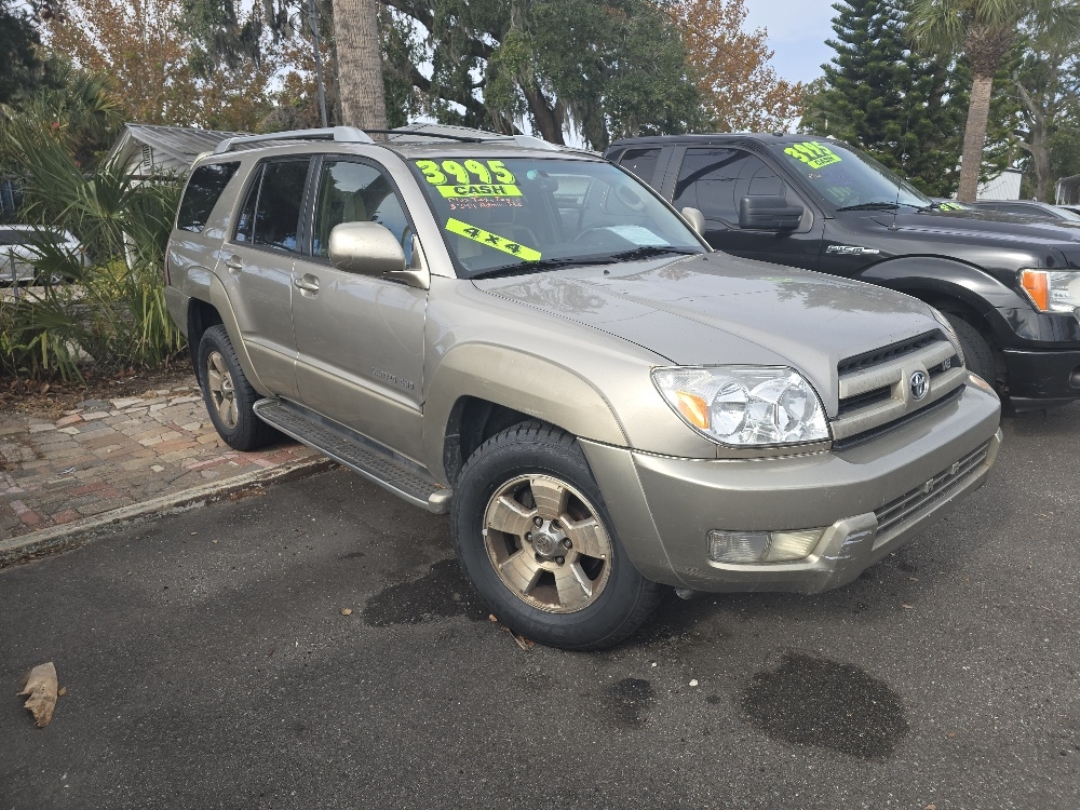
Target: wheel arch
(951, 286)
(208, 306)
(469, 402)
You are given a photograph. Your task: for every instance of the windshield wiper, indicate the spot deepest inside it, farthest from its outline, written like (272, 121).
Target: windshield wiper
(539, 266)
(884, 205)
(648, 251)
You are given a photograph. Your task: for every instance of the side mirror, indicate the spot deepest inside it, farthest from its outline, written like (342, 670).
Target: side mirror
(769, 213)
(695, 218)
(366, 248)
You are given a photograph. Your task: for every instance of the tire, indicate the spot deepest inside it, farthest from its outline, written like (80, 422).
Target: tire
(228, 395)
(978, 356)
(535, 539)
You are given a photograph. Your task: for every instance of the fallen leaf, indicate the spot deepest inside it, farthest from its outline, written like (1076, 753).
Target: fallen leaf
(346, 611)
(41, 691)
(930, 807)
(951, 735)
(525, 643)
(61, 691)
(908, 607)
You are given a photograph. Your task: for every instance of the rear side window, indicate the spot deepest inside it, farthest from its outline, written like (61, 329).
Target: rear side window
(203, 189)
(641, 162)
(271, 212)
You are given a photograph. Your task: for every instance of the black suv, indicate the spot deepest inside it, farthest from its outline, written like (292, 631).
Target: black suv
(1010, 287)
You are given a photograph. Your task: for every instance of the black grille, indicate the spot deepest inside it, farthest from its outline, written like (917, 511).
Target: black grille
(886, 353)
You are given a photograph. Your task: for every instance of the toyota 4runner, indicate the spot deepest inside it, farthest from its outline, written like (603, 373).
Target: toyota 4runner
(529, 338)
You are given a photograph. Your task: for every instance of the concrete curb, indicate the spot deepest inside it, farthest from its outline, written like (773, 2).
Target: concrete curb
(72, 535)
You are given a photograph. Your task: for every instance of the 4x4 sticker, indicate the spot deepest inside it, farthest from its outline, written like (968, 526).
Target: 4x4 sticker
(491, 240)
(473, 178)
(813, 154)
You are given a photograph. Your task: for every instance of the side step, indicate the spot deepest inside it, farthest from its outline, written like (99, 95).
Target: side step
(357, 452)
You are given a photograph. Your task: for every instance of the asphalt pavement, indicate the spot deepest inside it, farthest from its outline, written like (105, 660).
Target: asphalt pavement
(315, 646)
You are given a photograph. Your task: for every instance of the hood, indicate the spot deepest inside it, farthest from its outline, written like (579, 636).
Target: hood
(1034, 237)
(716, 309)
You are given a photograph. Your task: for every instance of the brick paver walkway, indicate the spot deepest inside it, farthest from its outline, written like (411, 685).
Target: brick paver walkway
(108, 454)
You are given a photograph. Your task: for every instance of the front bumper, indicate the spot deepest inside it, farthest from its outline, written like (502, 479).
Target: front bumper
(1042, 378)
(872, 498)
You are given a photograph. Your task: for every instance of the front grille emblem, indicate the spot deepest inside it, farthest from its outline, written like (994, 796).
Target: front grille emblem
(919, 384)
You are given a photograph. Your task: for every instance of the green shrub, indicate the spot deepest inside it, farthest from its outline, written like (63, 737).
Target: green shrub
(112, 310)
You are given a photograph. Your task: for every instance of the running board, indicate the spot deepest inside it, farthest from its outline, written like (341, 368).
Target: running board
(357, 452)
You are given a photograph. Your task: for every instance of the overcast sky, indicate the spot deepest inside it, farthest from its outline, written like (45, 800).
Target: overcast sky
(797, 32)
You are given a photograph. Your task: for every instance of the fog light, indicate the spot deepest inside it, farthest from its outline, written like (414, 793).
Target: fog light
(738, 547)
(761, 547)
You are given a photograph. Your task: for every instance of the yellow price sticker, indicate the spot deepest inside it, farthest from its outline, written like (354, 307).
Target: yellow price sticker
(479, 191)
(813, 154)
(492, 240)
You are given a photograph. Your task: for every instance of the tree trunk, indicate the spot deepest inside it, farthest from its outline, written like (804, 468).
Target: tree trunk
(360, 82)
(975, 136)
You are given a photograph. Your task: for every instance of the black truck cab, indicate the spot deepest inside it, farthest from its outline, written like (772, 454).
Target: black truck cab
(1009, 286)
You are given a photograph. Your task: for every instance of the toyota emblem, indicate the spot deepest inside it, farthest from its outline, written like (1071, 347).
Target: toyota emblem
(920, 385)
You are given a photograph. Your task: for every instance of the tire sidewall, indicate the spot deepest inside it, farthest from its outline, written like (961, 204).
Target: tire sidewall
(977, 352)
(244, 435)
(494, 465)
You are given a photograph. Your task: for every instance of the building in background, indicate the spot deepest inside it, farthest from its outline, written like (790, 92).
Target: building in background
(148, 149)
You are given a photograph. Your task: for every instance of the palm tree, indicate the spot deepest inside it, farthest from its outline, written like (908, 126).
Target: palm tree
(984, 31)
(359, 57)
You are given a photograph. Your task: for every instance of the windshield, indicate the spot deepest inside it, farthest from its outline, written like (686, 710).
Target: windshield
(519, 215)
(848, 179)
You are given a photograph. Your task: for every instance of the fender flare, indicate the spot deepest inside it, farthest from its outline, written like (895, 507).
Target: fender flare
(205, 286)
(521, 381)
(945, 277)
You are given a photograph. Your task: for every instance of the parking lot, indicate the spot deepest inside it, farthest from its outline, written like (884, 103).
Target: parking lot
(317, 647)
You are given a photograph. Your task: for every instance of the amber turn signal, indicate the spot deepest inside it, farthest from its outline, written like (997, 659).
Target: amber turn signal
(1035, 285)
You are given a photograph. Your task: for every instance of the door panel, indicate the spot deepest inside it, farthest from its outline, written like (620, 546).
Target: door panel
(259, 261)
(360, 338)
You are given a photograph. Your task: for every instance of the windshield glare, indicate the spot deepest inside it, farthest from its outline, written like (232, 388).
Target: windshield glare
(515, 212)
(846, 177)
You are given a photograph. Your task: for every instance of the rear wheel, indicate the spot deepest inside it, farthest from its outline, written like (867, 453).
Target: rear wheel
(228, 395)
(534, 537)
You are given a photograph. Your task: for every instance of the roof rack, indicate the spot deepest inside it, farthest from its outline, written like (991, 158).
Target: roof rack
(338, 134)
(423, 134)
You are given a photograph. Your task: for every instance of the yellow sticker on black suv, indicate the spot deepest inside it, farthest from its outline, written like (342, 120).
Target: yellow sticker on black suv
(813, 154)
(492, 240)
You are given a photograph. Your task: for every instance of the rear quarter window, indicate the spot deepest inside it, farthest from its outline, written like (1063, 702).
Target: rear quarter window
(203, 189)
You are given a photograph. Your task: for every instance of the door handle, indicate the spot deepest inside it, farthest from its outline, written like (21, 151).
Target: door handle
(234, 263)
(307, 284)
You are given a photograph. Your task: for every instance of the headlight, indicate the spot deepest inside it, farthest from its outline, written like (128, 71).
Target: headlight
(745, 406)
(1052, 291)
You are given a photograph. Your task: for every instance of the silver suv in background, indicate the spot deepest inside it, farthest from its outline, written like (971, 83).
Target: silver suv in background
(529, 338)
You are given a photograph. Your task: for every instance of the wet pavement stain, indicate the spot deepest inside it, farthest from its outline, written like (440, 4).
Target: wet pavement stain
(629, 701)
(441, 593)
(814, 701)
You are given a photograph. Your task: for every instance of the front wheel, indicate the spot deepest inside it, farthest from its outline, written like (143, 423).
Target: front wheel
(534, 537)
(978, 355)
